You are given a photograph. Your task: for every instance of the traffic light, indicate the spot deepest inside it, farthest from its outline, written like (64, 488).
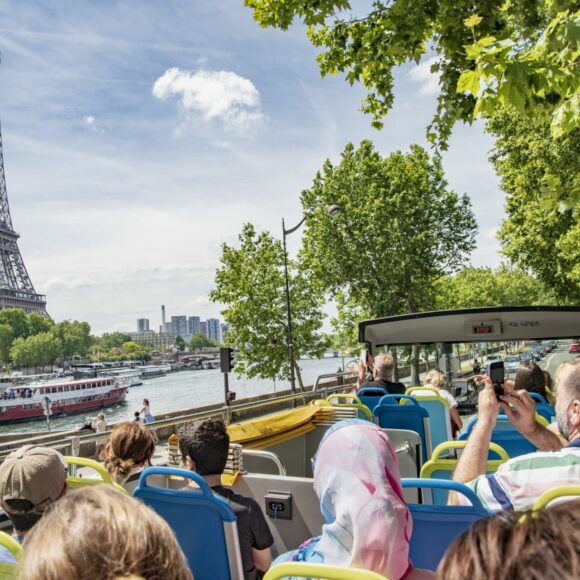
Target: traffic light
(226, 359)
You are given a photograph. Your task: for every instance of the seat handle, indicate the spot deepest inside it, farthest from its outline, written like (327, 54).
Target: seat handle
(447, 485)
(461, 444)
(167, 471)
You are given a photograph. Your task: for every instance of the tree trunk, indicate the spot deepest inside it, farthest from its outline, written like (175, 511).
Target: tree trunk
(415, 348)
(298, 374)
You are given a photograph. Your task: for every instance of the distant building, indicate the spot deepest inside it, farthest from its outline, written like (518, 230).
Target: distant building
(213, 329)
(142, 325)
(224, 330)
(179, 325)
(194, 325)
(203, 328)
(157, 339)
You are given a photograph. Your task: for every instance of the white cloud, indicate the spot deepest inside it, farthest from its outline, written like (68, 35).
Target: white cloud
(220, 95)
(422, 74)
(91, 123)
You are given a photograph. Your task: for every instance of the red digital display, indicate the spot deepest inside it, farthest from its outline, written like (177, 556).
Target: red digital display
(487, 329)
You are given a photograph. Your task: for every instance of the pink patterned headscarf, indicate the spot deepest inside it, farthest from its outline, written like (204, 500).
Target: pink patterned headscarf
(357, 478)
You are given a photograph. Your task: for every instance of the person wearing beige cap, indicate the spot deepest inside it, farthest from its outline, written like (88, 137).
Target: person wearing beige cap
(31, 479)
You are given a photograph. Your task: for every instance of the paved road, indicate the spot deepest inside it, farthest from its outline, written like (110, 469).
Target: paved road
(556, 358)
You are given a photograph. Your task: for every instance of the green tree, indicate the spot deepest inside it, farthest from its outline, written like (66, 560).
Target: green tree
(504, 286)
(35, 351)
(538, 235)
(113, 339)
(250, 285)
(400, 230)
(17, 319)
(74, 337)
(506, 54)
(200, 340)
(38, 323)
(180, 343)
(6, 339)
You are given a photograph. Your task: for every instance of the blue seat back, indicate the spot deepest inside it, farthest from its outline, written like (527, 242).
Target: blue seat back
(505, 435)
(370, 396)
(438, 409)
(410, 416)
(203, 522)
(544, 408)
(436, 526)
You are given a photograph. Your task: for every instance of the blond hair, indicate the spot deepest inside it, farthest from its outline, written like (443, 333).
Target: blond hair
(384, 365)
(130, 445)
(435, 379)
(98, 532)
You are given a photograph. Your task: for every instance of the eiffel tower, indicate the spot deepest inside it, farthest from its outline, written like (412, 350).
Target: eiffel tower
(16, 289)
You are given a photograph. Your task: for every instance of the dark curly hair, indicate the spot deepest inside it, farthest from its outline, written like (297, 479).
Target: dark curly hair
(207, 443)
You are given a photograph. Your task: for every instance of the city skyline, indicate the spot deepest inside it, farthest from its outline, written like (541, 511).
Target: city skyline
(149, 145)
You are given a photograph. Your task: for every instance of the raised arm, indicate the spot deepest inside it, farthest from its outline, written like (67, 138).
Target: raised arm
(473, 460)
(521, 411)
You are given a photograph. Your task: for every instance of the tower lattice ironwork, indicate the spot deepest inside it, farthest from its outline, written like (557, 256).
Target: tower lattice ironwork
(16, 289)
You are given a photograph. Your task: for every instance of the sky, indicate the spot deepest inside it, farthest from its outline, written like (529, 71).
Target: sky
(141, 135)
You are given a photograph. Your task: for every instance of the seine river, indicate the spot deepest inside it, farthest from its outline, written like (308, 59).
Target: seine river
(182, 390)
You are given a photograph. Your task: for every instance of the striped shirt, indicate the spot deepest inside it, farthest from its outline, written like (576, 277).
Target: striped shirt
(519, 482)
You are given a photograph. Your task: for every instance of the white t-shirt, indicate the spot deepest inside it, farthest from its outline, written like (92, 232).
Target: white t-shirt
(441, 392)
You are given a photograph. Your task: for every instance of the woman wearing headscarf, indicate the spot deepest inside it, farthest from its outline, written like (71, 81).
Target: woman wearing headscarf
(368, 524)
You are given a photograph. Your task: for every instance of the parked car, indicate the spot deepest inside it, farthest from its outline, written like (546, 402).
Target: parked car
(511, 363)
(574, 347)
(492, 358)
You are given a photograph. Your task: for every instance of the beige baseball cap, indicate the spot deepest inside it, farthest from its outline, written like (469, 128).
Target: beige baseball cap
(37, 474)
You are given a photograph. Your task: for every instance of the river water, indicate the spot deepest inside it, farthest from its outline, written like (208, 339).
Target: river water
(181, 390)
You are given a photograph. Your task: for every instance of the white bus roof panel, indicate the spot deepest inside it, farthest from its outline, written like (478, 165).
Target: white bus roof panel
(474, 325)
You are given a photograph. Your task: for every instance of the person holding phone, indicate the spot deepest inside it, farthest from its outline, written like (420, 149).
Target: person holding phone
(519, 482)
(382, 367)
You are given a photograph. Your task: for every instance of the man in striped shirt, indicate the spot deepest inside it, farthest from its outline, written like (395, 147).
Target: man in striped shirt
(519, 482)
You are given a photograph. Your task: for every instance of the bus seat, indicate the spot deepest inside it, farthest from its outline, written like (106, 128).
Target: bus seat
(411, 417)
(363, 411)
(557, 493)
(543, 408)
(370, 396)
(322, 571)
(506, 436)
(436, 526)
(75, 481)
(12, 545)
(438, 409)
(204, 523)
(442, 466)
(8, 570)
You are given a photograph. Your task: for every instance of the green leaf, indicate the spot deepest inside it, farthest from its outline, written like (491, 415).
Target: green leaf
(473, 21)
(469, 82)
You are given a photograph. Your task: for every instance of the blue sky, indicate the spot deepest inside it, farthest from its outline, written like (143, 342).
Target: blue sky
(140, 135)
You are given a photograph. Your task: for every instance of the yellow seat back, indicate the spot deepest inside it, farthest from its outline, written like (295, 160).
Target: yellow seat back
(12, 545)
(355, 404)
(74, 482)
(322, 571)
(555, 493)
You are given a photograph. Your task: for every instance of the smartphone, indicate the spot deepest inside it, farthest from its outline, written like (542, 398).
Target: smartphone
(496, 372)
(364, 356)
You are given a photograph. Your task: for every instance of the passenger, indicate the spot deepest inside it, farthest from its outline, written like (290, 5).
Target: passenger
(204, 448)
(545, 545)
(383, 368)
(531, 378)
(128, 451)
(31, 479)
(137, 418)
(520, 481)
(99, 532)
(368, 524)
(436, 380)
(100, 423)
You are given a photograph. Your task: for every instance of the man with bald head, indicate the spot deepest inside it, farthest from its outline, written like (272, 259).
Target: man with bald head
(519, 482)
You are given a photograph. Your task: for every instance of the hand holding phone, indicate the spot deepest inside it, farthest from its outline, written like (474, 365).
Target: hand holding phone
(496, 372)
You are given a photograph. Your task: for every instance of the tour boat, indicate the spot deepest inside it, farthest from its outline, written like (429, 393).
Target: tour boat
(33, 401)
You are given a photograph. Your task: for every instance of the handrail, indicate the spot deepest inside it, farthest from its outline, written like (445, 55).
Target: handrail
(265, 455)
(332, 376)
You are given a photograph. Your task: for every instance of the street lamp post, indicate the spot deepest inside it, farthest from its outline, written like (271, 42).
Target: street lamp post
(332, 210)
